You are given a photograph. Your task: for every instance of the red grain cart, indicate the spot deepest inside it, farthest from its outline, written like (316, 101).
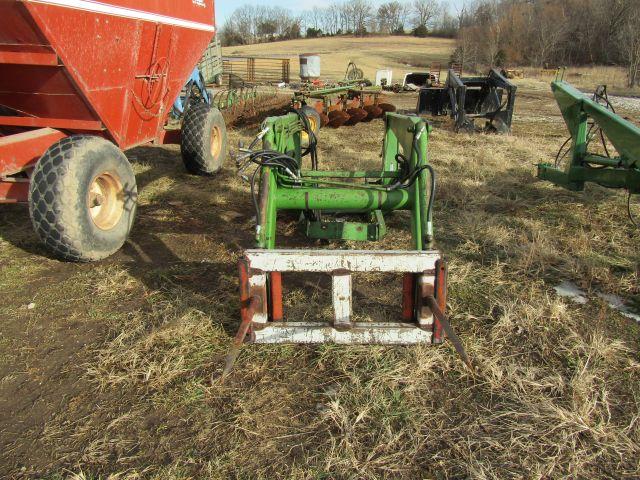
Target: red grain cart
(80, 81)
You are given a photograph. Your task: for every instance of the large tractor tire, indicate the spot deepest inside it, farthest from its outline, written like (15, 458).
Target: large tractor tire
(204, 140)
(83, 198)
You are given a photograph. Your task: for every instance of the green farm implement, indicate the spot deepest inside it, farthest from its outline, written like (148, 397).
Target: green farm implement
(246, 101)
(603, 148)
(342, 205)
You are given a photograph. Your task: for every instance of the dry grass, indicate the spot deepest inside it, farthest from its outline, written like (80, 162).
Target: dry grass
(556, 393)
(402, 54)
(589, 77)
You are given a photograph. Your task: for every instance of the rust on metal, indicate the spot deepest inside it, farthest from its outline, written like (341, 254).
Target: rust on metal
(253, 304)
(426, 285)
(451, 334)
(442, 274)
(275, 290)
(258, 288)
(243, 275)
(408, 297)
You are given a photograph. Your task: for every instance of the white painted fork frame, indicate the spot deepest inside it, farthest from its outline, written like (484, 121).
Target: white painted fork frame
(341, 264)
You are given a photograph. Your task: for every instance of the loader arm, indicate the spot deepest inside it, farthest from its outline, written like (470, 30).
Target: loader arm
(582, 115)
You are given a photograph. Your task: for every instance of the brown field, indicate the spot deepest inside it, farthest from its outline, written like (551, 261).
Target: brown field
(106, 370)
(402, 54)
(409, 54)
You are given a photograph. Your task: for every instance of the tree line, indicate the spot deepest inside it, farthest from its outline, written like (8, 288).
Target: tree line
(489, 32)
(550, 33)
(255, 23)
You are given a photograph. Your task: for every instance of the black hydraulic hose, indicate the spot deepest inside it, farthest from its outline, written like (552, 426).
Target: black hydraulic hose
(422, 160)
(272, 158)
(268, 158)
(312, 148)
(410, 179)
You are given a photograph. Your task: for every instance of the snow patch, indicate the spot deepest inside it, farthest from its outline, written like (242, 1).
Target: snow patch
(571, 291)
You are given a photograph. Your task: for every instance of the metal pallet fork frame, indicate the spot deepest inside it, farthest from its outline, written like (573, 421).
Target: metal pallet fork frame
(406, 181)
(261, 280)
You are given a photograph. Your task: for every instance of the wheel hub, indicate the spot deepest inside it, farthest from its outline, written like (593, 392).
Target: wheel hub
(106, 201)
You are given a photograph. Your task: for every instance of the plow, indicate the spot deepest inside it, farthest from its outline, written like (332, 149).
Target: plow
(341, 206)
(344, 105)
(603, 148)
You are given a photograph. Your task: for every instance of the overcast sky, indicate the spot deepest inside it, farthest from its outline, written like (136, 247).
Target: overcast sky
(224, 8)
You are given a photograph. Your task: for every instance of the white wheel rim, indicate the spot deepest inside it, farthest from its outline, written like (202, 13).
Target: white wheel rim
(106, 201)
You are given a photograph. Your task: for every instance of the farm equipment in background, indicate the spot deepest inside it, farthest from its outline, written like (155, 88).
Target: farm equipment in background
(239, 98)
(341, 205)
(194, 92)
(468, 99)
(211, 65)
(79, 84)
(512, 73)
(343, 104)
(233, 103)
(354, 74)
(412, 82)
(603, 147)
(247, 101)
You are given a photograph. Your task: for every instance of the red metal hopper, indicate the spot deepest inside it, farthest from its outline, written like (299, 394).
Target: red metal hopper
(107, 69)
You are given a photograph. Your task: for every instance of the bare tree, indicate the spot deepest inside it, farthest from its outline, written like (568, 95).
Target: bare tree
(345, 17)
(548, 34)
(489, 26)
(314, 17)
(331, 19)
(391, 17)
(250, 24)
(360, 11)
(425, 11)
(630, 45)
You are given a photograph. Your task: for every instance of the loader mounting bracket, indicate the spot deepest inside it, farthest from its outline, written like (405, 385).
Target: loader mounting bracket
(589, 121)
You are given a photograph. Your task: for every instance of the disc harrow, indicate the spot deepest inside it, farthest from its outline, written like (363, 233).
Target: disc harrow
(244, 101)
(345, 104)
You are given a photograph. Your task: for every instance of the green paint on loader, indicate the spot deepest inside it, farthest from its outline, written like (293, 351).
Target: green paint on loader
(403, 183)
(584, 117)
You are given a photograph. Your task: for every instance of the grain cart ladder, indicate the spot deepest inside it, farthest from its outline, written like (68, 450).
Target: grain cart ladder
(591, 121)
(405, 182)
